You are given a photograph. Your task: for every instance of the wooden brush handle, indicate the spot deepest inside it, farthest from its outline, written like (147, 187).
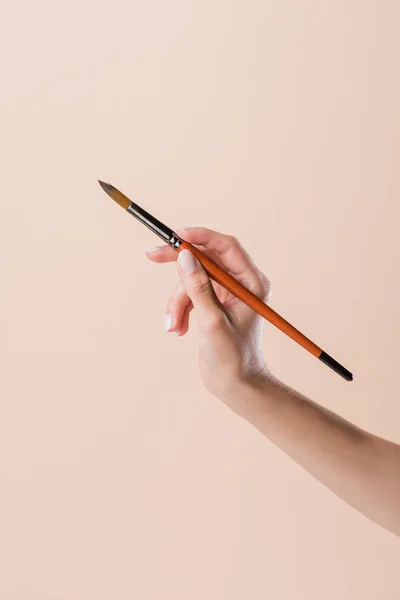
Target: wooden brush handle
(238, 290)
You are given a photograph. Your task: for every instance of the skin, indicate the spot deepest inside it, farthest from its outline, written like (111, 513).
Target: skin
(361, 468)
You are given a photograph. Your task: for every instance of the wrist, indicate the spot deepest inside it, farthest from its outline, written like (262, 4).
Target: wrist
(248, 396)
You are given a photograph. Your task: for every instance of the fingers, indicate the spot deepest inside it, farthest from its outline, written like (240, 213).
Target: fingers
(183, 329)
(226, 246)
(232, 255)
(164, 254)
(178, 309)
(161, 254)
(226, 251)
(208, 310)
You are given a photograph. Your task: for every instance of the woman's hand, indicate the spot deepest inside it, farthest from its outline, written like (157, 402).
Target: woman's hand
(229, 332)
(361, 468)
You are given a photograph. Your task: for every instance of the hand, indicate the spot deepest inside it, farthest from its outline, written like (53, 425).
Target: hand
(361, 468)
(229, 332)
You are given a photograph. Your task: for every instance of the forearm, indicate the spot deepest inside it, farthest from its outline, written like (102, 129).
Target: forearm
(359, 467)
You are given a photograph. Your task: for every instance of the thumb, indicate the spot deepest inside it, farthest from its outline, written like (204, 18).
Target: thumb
(199, 288)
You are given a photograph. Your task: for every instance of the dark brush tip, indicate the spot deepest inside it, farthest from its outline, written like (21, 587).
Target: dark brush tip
(106, 186)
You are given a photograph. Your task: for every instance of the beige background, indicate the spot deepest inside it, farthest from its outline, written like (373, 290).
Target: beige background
(274, 121)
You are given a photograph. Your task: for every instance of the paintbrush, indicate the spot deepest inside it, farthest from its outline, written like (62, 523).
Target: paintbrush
(227, 281)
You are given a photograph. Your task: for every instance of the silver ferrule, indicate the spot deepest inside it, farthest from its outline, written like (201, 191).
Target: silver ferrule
(175, 241)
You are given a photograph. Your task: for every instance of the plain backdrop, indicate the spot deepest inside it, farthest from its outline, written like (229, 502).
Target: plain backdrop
(277, 122)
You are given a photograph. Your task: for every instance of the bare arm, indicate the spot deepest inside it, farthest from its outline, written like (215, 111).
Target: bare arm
(361, 468)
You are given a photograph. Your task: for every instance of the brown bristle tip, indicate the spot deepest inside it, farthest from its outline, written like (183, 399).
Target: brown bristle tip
(105, 186)
(115, 194)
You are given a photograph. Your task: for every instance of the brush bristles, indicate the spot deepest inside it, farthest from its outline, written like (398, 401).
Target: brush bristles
(116, 195)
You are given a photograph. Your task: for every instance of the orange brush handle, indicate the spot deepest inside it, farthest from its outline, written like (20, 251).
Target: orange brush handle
(238, 290)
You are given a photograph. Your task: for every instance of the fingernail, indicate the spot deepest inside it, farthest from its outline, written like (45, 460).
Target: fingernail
(168, 322)
(154, 249)
(187, 261)
(185, 227)
(177, 333)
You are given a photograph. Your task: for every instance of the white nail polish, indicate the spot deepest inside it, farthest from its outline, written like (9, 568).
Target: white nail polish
(154, 249)
(177, 333)
(187, 261)
(168, 322)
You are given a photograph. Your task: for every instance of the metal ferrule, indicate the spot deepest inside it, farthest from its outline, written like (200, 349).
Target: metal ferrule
(164, 232)
(175, 241)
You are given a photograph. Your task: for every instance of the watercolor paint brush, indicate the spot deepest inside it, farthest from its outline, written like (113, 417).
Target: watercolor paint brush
(227, 281)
